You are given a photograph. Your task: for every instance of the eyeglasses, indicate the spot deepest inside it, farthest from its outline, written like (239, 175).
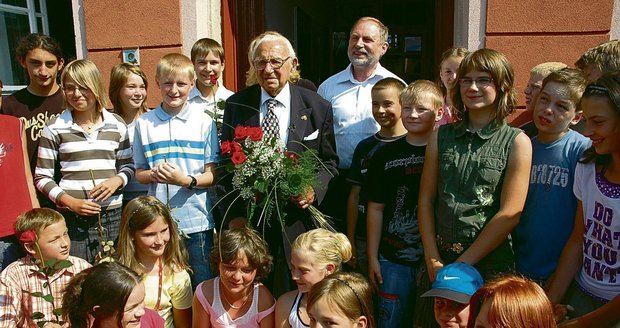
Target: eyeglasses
(70, 89)
(482, 82)
(274, 62)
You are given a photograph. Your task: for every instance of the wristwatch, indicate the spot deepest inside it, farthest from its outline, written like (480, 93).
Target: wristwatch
(192, 183)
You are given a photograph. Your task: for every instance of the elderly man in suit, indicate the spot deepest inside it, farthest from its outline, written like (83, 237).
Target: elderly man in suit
(303, 120)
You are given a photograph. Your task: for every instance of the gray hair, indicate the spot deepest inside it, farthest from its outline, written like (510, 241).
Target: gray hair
(269, 36)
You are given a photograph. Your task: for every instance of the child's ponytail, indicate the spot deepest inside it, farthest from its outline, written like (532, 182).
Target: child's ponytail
(325, 247)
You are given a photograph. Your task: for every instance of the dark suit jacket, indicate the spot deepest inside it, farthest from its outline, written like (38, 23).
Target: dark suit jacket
(309, 113)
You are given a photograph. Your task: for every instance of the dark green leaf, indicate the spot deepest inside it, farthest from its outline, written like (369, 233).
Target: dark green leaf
(57, 312)
(49, 298)
(64, 264)
(294, 180)
(40, 324)
(37, 316)
(36, 294)
(45, 284)
(50, 262)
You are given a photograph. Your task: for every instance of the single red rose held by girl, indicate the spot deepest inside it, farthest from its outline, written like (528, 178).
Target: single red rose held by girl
(256, 133)
(241, 133)
(28, 236)
(213, 79)
(226, 147)
(238, 158)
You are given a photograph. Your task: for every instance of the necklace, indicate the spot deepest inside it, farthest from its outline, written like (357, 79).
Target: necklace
(229, 303)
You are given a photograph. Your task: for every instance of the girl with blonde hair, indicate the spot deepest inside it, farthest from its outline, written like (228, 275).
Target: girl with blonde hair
(91, 147)
(149, 244)
(343, 299)
(314, 255)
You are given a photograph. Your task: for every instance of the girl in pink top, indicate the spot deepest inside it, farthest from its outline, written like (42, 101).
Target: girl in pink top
(450, 61)
(236, 298)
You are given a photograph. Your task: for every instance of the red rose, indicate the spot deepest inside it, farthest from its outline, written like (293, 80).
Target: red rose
(213, 79)
(238, 158)
(241, 133)
(28, 236)
(236, 147)
(226, 147)
(256, 133)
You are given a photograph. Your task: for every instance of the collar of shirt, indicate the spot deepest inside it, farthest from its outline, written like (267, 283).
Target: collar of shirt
(283, 109)
(182, 115)
(195, 93)
(66, 119)
(347, 75)
(484, 133)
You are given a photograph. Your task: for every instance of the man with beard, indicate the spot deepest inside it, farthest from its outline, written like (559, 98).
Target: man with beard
(349, 93)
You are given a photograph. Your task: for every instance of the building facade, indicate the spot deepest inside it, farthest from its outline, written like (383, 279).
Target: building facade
(528, 31)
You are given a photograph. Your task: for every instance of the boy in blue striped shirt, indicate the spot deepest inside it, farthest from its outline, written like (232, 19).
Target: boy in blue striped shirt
(175, 151)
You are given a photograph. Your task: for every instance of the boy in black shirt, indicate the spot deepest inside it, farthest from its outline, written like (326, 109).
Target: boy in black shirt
(386, 111)
(394, 244)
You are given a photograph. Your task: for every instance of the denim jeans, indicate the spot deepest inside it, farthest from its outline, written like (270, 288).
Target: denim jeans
(84, 234)
(199, 247)
(396, 294)
(10, 251)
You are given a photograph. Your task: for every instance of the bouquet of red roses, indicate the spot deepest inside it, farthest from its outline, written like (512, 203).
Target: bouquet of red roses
(267, 177)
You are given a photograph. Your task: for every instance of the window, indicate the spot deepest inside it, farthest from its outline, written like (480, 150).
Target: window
(19, 18)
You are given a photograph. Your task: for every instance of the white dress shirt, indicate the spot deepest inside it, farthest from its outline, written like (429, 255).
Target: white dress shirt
(282, 111)
(352, 105)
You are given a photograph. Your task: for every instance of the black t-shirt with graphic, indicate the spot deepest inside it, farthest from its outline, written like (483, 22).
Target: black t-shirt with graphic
(394, 180)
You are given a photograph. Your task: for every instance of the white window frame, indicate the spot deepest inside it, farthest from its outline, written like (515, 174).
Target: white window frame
(29, 10)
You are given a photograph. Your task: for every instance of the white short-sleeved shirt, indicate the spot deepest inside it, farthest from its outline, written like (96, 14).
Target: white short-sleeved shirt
(601, 239)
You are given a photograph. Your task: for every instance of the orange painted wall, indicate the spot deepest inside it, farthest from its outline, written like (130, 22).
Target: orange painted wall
(152, 25)
(530, 32)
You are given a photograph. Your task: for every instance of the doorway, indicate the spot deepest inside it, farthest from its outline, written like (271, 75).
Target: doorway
(419, 31)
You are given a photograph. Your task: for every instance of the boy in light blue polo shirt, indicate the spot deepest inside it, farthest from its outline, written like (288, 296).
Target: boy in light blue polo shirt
(176, 151)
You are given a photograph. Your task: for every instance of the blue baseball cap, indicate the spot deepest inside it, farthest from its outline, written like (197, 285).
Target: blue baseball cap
(456, 282)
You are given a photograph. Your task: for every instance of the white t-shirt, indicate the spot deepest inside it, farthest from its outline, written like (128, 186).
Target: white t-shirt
(601, 239)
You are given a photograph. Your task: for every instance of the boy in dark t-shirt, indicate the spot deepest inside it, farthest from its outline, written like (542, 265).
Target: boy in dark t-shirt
(386, 111)
(394, 244)
(41, 57)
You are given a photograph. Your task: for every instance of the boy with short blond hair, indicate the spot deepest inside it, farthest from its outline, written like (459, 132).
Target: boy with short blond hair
(43, 234)
(175, 151)
(551, 204)
(386, 112)
(394, 242)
